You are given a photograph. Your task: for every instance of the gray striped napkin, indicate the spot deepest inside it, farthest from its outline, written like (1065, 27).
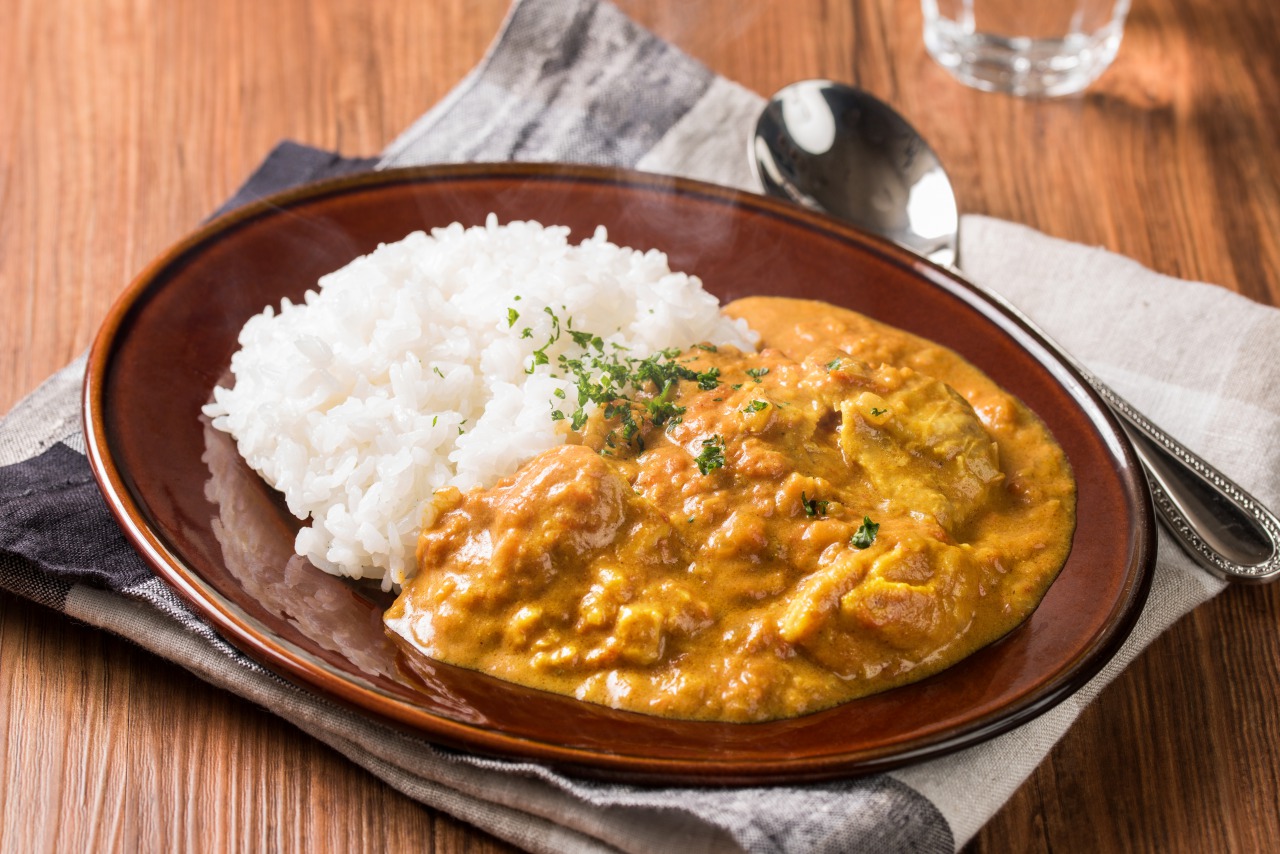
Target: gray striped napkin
(577, 81)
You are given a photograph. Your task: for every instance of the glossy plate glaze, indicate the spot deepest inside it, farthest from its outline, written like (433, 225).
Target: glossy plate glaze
(223, 539)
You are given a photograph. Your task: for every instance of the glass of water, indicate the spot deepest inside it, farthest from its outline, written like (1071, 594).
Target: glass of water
(1025, 47)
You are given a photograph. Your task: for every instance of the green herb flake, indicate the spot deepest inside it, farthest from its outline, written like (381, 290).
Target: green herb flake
(708, 379)
(866, 534)
(833, 364)
(710, 348)
(755, 406)
(586, 340)
(736, 386)
(512, 316)
(435, 369)
(559, 393)
(540, 356)
(877, 411)
(691, 519)
(757, 373)
(814, 507)
(712, 456)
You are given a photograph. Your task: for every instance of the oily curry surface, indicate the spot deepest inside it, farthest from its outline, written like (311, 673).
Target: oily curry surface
(850, 509)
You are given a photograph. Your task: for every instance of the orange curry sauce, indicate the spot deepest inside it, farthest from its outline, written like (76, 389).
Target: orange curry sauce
(749, 588)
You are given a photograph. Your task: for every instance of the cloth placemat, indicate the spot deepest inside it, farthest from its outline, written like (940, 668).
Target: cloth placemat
(579, 82)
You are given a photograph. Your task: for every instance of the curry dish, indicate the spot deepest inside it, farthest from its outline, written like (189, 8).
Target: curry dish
(851, 509)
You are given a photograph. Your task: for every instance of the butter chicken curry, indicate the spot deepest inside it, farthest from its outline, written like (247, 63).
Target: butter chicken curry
(753, 536)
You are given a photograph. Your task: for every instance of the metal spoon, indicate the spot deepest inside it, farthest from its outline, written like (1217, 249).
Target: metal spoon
(841, 151)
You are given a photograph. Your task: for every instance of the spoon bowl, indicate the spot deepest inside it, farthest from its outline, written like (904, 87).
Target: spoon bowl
(837, 149)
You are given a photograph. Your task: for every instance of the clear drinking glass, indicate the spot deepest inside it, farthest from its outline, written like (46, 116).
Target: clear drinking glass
(1025, 47)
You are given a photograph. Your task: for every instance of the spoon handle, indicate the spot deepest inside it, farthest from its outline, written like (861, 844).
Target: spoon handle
(1224, 528)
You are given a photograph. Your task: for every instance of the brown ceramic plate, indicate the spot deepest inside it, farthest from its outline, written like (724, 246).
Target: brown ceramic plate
(223, 539)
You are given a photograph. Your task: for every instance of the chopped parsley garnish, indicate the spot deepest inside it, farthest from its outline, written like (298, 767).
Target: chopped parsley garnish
(866, 534)
(736, 386)
(875, 410)
(757, 373)
(436, 370)
(710, 348)
(833, 364)
(613, 381)
(814, 507)
(434, 419)
(637, 393)
(708, 379)
(540, 356)
(712, 456)
(586, 339)
(512, 316)
(690, 519)
(755, 406)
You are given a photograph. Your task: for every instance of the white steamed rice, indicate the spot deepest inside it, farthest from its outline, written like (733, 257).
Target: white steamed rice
(402, 374)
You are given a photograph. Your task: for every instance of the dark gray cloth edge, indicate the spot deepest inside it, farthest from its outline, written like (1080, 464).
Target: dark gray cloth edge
(23, 578)
(291, 164)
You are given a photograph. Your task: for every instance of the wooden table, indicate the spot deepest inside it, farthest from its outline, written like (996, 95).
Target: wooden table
(125, 123)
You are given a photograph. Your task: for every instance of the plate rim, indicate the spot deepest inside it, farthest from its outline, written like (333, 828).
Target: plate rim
(299, 667)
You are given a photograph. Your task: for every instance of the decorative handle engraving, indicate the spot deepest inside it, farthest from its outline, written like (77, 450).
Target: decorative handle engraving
(1224, 528)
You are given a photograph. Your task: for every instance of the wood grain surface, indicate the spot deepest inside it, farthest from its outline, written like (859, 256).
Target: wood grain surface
(127, 121)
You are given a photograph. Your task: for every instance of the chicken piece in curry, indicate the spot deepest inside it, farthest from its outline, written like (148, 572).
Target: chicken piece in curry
(848, 510)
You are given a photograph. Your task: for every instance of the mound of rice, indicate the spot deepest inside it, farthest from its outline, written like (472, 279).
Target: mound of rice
(406, 371)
